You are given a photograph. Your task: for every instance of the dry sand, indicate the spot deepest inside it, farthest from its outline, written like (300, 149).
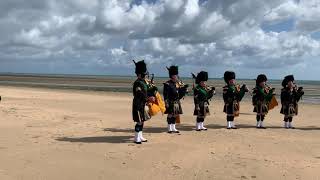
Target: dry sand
(82, 135)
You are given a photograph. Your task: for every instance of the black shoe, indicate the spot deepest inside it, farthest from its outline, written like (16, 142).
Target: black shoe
(176, 132)
(229, 128)
(138, 142)
(198, 129)
(170, 132)
(234, 128)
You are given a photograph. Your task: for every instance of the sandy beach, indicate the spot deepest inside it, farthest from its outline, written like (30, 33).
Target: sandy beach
(85, 135)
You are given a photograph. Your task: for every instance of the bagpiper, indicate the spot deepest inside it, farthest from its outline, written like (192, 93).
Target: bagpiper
(141, 97)
(261, 98)
(290, 96)
(173, 91)
(202, 94)
(232, 95)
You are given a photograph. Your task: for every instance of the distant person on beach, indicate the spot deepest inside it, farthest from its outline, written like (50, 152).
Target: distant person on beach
(173, 91)
(232, 95)
(140, 93)
(261, 97)
(290, 96)
(202, 94)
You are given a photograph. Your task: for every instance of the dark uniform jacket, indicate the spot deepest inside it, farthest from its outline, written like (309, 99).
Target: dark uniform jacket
(261, 98)
(172, 93)
(201, 100)
(232, 95)
(140, 97)
(289, 101)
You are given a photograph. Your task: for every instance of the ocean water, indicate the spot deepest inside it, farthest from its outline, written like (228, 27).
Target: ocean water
(124, 84)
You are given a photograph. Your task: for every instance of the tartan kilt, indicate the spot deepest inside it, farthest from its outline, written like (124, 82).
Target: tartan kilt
(261, 108)
(232, 109)
(289, 110)
(140, 114)
(174, 108)
(204, 110)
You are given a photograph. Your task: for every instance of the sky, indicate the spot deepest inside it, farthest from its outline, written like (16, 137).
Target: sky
(274, 37)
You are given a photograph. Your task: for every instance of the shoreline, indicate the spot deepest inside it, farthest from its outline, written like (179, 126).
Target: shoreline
(121, 89)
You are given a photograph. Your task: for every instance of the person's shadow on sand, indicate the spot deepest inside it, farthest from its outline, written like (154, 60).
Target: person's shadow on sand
(98, 139)
(128, 139)
(147, 129)
(308, 128)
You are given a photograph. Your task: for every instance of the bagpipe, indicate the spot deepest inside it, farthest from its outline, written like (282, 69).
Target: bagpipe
(273, 102)
(300, 90)
(245, 89)
(269, 88)
(152, 88)
(182, 88)
(158, 105)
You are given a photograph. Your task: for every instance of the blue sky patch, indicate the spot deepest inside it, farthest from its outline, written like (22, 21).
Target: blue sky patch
(286, 25)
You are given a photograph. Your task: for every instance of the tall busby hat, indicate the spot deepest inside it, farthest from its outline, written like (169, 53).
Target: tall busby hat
(173, 70)
(287, 79)
(261, 78)
(141, 67)
(202, 76)
(228, 75)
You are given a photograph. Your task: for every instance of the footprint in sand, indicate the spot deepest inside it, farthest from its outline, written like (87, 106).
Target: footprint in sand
(67, 117)
(175, 167)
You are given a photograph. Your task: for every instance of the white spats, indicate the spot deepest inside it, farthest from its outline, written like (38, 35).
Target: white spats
(174, 128)
(258, 124)
(142, 138)
(198, 127)
(202, 126)
(137, 138)
(229, 124)
(286, 125)
(290, 125)
(170, 128)
(233, 126)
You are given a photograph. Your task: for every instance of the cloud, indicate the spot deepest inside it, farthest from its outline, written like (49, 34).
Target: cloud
(305, 12)
(216, 33)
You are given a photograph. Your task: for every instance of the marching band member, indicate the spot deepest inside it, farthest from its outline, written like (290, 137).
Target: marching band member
(140, 99)
(173, 91)
(290, 96)
(262, 95)
(232, 95)
(202, 94)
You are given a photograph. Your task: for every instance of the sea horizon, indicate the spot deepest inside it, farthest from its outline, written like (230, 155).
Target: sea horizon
(115, 75)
